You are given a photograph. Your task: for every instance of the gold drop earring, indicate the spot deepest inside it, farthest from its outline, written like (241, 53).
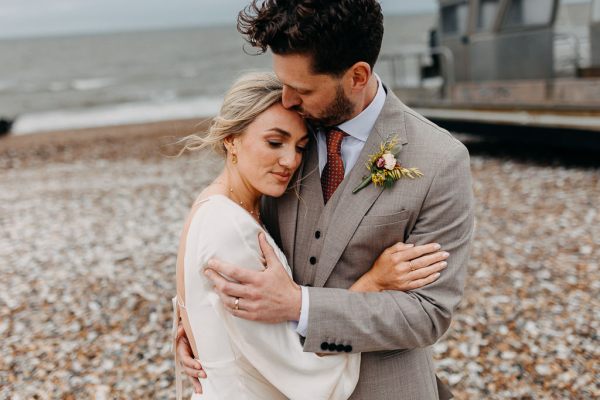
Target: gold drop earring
(234, 158)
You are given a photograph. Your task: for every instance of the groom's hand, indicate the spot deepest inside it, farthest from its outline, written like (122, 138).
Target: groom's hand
(190, 366)
(268, 296)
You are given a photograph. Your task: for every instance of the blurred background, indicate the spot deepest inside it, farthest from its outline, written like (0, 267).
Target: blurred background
(93, 93)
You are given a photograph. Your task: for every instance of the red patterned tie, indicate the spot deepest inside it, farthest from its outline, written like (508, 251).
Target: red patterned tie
(333, 174)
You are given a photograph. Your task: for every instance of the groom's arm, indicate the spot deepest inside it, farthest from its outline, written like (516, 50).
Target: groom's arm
(374, 321)
(401, 320)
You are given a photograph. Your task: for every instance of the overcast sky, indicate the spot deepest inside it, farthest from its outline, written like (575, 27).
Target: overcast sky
(44, 17)
(50, 17)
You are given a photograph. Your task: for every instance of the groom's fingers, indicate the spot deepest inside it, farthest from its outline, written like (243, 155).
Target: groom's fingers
(226, 287)
(242, 275)
(267, 250)
(191, 367)
(180, 331)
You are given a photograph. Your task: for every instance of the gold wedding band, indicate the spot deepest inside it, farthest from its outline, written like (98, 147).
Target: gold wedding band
(236, 304)
(410, 265)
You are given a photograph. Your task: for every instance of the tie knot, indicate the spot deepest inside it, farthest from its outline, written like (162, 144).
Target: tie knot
(334, 141)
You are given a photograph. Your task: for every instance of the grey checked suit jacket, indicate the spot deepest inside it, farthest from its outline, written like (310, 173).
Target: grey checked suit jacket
(392, 329)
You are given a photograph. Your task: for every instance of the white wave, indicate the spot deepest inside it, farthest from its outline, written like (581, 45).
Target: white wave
(92, 83)
(58, 86)
(119, 114)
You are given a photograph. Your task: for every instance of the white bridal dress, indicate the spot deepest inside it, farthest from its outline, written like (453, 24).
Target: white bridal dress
(245, 360)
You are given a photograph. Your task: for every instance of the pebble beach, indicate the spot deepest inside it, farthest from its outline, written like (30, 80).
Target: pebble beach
(89, 227)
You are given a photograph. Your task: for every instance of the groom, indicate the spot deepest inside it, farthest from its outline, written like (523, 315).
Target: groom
(324, 53)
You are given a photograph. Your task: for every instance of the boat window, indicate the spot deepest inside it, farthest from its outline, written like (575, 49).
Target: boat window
(454, 19)
(487, 14)
(524, 13)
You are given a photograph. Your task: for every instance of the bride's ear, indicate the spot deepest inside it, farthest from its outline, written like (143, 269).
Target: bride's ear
(228, 143)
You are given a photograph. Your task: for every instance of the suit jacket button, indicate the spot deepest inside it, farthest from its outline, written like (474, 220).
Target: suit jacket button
(348, 349)
(339, 348)
(317, 234)
(324, 346)
(331, 347)
(313, 260)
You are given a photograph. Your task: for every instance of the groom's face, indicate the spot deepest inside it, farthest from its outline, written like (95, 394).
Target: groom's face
(319, 98)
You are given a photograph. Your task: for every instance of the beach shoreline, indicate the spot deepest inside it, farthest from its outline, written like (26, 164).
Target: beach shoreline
(142, 141)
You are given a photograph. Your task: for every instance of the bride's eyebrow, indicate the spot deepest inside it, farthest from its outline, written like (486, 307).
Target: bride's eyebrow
(280, 131)
(285, 133)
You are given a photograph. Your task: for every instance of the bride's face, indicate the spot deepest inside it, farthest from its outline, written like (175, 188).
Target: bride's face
(270, 150)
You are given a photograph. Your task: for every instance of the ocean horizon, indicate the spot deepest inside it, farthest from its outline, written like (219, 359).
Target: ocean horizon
(100, 79)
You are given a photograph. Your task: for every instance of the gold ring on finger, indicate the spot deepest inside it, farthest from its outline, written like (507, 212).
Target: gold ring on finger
(411, 266)
(236, 304)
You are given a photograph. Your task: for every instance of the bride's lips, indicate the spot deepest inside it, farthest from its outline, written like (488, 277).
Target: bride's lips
(282, 176)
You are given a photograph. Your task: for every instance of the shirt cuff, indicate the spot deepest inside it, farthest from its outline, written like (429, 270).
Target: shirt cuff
(303, 321)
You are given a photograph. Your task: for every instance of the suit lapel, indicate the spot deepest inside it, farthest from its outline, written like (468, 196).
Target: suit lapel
(351, 207)
(288, 205)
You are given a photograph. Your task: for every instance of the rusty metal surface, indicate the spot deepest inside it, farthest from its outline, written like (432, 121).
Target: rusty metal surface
(559, 93)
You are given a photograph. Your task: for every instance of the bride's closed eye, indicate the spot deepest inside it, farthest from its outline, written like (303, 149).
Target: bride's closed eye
(273, 144)
(276, 145)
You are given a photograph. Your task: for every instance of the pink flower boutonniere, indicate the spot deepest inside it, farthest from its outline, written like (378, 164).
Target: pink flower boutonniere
(385, 169)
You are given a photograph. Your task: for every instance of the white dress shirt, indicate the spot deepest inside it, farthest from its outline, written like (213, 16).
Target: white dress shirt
(358, 130)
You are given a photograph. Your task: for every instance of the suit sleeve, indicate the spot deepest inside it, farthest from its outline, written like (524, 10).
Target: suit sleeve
(273, 349)
(393, 320)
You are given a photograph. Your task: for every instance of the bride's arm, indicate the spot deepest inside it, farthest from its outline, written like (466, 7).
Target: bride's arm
(403, 267)
(272, 349)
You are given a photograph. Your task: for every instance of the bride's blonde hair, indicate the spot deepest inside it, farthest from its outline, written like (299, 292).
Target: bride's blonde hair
(248, 97)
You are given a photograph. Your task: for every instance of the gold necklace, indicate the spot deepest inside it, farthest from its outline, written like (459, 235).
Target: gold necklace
(243, 205)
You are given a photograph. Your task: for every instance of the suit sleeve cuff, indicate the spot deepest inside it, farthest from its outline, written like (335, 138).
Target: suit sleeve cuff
(302, 327)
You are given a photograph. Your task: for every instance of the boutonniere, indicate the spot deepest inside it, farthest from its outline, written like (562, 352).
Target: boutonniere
(384, 169)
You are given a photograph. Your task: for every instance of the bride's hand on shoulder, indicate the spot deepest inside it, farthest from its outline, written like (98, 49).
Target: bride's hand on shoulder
(403, 267)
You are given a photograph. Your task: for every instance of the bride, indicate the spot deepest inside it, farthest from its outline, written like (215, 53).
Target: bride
(263, 144)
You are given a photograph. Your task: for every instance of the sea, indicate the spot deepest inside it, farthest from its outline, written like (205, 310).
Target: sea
(67, 82)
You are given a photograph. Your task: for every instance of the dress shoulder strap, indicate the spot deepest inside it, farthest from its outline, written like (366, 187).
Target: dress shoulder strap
(178, 370)
(198, 202)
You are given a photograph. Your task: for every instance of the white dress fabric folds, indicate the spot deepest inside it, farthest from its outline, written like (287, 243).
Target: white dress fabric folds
(246, 360)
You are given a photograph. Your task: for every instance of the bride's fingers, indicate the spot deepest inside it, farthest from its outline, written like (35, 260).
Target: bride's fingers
(427, 271)
(428, 259)
(416, 284)
(417, 251)
(400, 246)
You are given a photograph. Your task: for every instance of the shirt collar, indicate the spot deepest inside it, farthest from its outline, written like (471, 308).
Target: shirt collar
(361, 125)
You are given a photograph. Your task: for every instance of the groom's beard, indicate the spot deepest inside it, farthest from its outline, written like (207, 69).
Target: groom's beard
(340, 110)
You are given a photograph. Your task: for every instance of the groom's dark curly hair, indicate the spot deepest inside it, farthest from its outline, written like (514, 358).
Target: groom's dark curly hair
(336, 33)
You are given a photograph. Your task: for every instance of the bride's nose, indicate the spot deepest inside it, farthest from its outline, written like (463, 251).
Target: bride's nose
(289, 159)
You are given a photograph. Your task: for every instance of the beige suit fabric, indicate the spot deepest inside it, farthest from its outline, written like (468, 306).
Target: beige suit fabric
(392, 329)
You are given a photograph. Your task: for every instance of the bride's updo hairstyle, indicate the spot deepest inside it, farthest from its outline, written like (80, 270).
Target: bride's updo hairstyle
(249, 96)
